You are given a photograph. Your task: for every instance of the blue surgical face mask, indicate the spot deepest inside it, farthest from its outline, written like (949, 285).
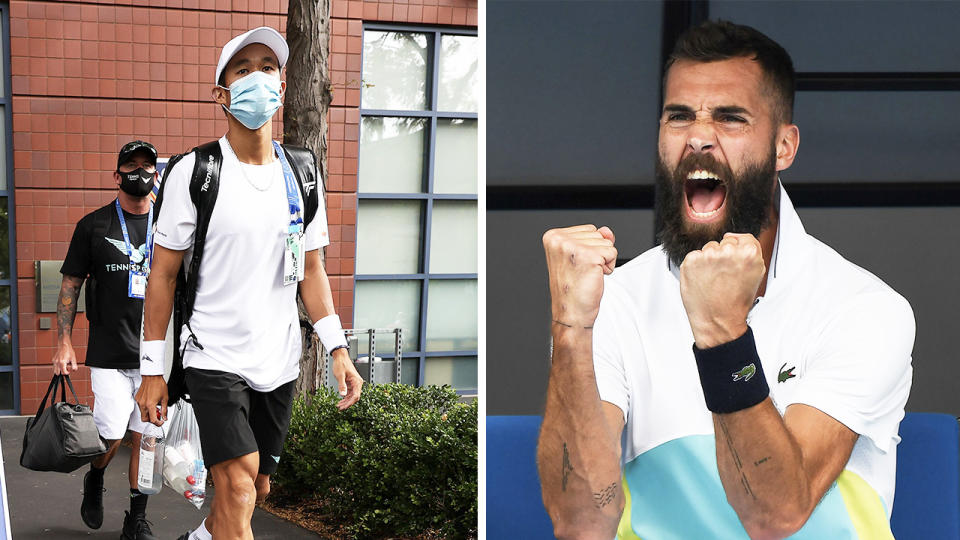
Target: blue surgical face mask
(254, 99)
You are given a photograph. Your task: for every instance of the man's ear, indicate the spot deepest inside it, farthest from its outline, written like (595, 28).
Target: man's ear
(116, 178)
(787, 143)
(220, 95)
(283, 89)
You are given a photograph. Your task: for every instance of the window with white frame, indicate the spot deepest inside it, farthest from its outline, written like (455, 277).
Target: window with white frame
(416, 262)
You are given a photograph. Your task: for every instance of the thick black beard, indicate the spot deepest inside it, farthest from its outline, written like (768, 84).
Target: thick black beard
(748, 203)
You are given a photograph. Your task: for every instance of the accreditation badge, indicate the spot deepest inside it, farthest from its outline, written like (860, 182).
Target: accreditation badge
(137, 285)
(293, 264)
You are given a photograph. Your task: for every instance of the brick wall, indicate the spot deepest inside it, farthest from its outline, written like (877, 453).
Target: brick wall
(89, 76)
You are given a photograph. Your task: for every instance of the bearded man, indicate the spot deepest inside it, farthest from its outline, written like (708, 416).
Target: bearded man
(742, 380)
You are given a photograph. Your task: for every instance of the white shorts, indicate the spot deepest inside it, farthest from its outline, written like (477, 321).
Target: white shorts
(114, 405)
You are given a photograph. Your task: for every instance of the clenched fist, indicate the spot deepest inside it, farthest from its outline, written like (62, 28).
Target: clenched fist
(718, 285)
(577, 259)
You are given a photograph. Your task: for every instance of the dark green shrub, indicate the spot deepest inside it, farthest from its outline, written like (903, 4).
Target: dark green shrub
(401, 461)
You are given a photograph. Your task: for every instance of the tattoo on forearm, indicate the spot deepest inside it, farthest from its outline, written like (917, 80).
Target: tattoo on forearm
(566, 466)
(606, 496)
(67, 307)
(761, 461)
(736, 458)
(561, 323)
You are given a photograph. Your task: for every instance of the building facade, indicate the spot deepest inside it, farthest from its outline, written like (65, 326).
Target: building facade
(82, 78)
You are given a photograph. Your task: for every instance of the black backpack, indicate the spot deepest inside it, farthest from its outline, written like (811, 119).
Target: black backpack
(204, 186)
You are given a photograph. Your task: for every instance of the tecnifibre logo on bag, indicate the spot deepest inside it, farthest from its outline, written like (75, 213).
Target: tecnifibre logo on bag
(206, 180)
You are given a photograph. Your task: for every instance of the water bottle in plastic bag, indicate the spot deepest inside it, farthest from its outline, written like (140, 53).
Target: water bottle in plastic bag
(177, 472)
(183, 469)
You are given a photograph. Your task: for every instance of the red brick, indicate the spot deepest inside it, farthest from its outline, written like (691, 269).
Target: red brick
(429, 15)
(348, 97)
(350, 183)
(350, 166)
(445, 15)
(355, 45)
(355, 9)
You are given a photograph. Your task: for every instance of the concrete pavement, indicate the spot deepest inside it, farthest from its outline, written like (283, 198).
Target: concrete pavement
(46, 505)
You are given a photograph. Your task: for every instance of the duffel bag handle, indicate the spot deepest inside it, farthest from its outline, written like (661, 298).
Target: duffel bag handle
(76, 399)
(53, 399)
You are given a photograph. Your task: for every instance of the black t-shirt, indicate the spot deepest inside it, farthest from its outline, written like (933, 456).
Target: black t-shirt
(98, 254)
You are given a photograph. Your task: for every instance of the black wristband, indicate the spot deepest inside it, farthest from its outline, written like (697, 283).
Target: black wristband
(731, 375)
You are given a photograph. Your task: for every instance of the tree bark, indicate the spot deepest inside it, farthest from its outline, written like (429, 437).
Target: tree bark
(305, 123)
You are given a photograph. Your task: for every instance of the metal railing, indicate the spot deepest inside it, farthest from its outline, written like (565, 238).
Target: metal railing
(368, 372)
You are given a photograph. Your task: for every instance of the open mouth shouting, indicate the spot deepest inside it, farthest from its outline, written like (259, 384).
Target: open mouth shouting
(705, 195)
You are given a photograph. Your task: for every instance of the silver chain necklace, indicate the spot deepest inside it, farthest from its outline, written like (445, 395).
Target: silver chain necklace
(243, 170)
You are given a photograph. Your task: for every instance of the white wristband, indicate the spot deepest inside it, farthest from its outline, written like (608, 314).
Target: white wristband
(330, 332)
(151, 357)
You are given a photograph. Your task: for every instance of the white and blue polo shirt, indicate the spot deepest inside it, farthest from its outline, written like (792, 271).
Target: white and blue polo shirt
(829, 335)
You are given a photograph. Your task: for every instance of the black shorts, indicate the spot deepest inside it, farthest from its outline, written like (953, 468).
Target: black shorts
(236, 420)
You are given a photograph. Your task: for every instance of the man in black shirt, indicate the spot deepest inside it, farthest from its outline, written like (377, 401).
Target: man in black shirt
(111, 249)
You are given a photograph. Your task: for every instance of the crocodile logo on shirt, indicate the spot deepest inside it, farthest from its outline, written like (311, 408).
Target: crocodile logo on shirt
(786, 374)
(745, 374)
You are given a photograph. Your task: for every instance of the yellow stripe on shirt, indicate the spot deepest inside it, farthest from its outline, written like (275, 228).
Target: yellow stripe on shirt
(864, 507)
(625, 529)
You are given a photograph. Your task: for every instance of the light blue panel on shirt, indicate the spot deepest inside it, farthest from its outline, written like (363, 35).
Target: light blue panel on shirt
(676, 494)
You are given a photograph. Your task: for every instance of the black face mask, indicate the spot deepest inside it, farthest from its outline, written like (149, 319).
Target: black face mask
(138, 183)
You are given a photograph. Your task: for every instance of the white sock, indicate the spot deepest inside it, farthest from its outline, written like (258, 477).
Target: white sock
(201, 533)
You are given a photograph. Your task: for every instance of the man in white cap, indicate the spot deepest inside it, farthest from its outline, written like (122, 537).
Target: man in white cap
(241, 379)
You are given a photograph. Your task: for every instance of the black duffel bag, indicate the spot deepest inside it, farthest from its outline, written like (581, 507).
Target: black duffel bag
(62, 437)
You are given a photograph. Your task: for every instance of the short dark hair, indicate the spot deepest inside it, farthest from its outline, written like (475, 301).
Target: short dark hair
(713, 41)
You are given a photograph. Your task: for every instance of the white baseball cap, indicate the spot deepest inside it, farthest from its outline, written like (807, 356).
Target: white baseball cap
(266, 35)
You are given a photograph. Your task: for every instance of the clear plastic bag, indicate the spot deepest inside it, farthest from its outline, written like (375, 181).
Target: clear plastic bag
(183, 469)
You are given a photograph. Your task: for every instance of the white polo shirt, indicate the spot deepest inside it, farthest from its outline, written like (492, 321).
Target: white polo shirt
(844, 336)
(244, 317)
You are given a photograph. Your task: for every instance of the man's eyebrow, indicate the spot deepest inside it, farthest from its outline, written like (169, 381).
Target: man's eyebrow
(246, 61)
(676, 107)
(731, 109)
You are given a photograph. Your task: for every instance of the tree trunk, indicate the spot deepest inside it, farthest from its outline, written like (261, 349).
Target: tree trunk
(305, 123)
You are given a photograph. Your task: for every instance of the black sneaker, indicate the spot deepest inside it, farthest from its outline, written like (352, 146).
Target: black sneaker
(136, 527)
(91, 508)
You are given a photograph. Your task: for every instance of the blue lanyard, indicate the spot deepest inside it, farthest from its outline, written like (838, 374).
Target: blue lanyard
(126, 237)
(293, 194)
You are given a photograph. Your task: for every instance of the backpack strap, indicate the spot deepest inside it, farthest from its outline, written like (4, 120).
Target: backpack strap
(204, 187)
(304, 165)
